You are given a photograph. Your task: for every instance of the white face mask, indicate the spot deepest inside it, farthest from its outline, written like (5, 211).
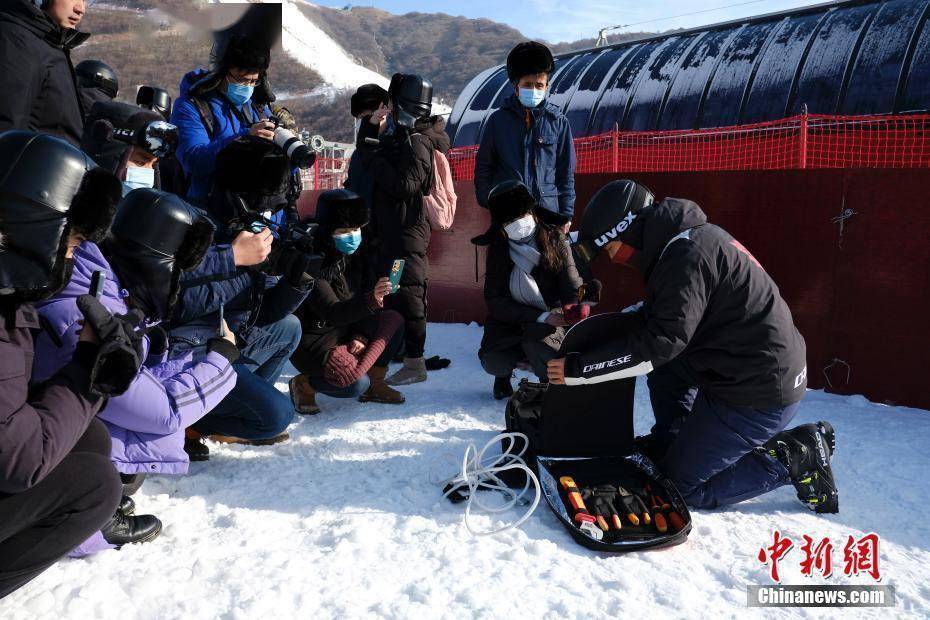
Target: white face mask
(521, 228)
(137, 178)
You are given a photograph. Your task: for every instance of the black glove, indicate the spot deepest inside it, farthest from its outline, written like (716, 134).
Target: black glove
(600, 502)
(632, 507)
(158, 344)
(292, 265)
(120, 354)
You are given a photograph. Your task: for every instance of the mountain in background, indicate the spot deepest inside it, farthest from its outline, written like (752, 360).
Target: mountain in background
(327, 52)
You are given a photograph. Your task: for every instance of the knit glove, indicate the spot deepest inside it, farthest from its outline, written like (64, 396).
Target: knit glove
(342, 369)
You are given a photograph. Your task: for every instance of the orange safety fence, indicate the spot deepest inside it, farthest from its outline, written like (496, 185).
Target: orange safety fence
(803, 141)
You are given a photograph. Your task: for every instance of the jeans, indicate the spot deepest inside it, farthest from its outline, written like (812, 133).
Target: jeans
(712, 456)
(358, 388)
(255, 409)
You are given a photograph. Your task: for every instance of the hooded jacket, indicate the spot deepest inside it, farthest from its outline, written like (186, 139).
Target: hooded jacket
(38, 426)
(711, 313)
(38, 90)
(541, 156)
(147, 422)
(197, 150)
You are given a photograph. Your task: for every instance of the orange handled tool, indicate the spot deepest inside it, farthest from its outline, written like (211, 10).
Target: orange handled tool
(582, 517)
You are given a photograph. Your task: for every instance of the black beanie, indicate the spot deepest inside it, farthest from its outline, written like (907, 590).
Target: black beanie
(368, 97)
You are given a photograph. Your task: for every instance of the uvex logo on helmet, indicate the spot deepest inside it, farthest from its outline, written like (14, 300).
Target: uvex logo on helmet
(614, 232)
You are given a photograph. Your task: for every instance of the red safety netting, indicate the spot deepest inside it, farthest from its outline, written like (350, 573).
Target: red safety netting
(804, 141)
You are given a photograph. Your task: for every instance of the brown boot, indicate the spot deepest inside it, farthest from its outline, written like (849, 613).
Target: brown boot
(195, 447)
(379, 392)
(303, 395)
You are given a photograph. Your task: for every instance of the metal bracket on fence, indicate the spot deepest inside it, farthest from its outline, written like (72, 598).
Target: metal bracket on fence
(837, 362)
(844, 215)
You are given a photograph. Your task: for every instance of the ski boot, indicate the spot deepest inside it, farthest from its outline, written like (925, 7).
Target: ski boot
(805, 451)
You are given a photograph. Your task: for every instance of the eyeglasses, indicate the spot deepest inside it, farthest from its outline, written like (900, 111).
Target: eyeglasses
(242, 80)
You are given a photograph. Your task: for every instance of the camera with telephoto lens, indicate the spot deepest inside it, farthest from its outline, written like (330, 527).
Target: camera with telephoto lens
(296, 151)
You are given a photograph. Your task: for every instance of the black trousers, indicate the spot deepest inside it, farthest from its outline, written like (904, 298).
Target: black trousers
(410, 302)
(42, 524)
(538, 345)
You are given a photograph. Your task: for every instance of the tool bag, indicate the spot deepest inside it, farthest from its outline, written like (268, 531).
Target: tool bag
(586, 433)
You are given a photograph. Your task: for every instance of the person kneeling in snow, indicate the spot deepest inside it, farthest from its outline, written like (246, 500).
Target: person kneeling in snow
(727, 367)
(346, 332)
(154, 237)
(530, 277)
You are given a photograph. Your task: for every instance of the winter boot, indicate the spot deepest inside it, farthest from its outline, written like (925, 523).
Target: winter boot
(502, 388)
(303, 395)
(122, 530)
(127, 506)
(378, 391)
(414, 371)
(196, 449)
(805, 451)
(251, 442)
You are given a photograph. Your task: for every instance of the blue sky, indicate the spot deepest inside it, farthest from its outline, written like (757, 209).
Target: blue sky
(569, 20)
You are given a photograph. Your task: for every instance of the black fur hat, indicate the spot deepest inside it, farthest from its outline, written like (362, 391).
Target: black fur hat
(244, 52)
(251, 165)
(94, 205)
(368, 97)
(509, 200)
(340, 208)
(529, 58)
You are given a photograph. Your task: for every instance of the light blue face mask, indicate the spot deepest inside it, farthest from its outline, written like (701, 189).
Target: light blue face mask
(238, 94)
(348, 242)
(530, 97)
(137, 178)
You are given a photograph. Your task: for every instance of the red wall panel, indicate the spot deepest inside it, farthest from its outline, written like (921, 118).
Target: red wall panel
(862, 299)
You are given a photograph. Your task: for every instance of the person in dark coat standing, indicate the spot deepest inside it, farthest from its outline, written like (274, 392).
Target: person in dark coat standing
(37, 83)
(530, 287)
(401, 165)
(57, 486)
(727, 367)
(348, 338)
(529, 139)
(368, 99)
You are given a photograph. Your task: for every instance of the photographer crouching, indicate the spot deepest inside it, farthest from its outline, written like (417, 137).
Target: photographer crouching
(255, 276)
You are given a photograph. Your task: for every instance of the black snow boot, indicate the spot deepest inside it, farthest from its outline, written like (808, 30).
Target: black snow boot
(806, 451)
(127, 506)
(502, 388)
(123, 530)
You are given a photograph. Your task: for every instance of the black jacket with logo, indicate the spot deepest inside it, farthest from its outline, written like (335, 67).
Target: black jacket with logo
(711, 313)
(37, 84)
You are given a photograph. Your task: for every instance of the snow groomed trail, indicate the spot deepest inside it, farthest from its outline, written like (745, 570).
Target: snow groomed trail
(342, 522)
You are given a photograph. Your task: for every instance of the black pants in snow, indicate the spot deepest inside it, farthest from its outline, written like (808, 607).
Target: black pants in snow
(410, 303)
(499, 356)
(40, 525)
(712, 456)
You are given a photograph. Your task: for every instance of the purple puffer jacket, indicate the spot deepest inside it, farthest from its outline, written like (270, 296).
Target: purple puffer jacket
(147, 422)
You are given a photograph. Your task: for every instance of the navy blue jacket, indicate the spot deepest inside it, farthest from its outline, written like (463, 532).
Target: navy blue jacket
(541, 156)
(250, 300)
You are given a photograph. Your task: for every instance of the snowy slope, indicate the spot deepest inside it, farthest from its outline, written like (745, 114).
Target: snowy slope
(341, 522)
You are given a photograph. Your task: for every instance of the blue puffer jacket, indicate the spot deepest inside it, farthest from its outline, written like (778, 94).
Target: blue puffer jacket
(250, 300)
(196, 150)
(541, 156)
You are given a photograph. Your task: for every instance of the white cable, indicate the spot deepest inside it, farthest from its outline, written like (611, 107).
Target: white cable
(477, 474)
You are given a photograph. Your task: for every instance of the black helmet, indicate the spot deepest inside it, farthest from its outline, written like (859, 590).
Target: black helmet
(47, 189)
(412, 97)
(611, 215)
(155, 99)
(155, 236)
(340, 208)
(529, 58)
(97, 74)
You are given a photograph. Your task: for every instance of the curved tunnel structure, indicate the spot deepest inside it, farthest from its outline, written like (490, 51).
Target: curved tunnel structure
(854, 57)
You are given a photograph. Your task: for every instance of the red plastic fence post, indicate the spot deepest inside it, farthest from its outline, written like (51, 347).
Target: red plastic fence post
(615, 150)
(803, 139)
(316, 173)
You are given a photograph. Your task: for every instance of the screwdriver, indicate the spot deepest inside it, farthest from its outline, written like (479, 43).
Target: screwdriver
(584, 518)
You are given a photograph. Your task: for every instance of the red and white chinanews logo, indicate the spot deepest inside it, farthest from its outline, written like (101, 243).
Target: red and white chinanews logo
(860, 556)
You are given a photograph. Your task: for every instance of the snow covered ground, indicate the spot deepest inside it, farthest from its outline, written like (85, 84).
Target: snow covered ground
(343, 522)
